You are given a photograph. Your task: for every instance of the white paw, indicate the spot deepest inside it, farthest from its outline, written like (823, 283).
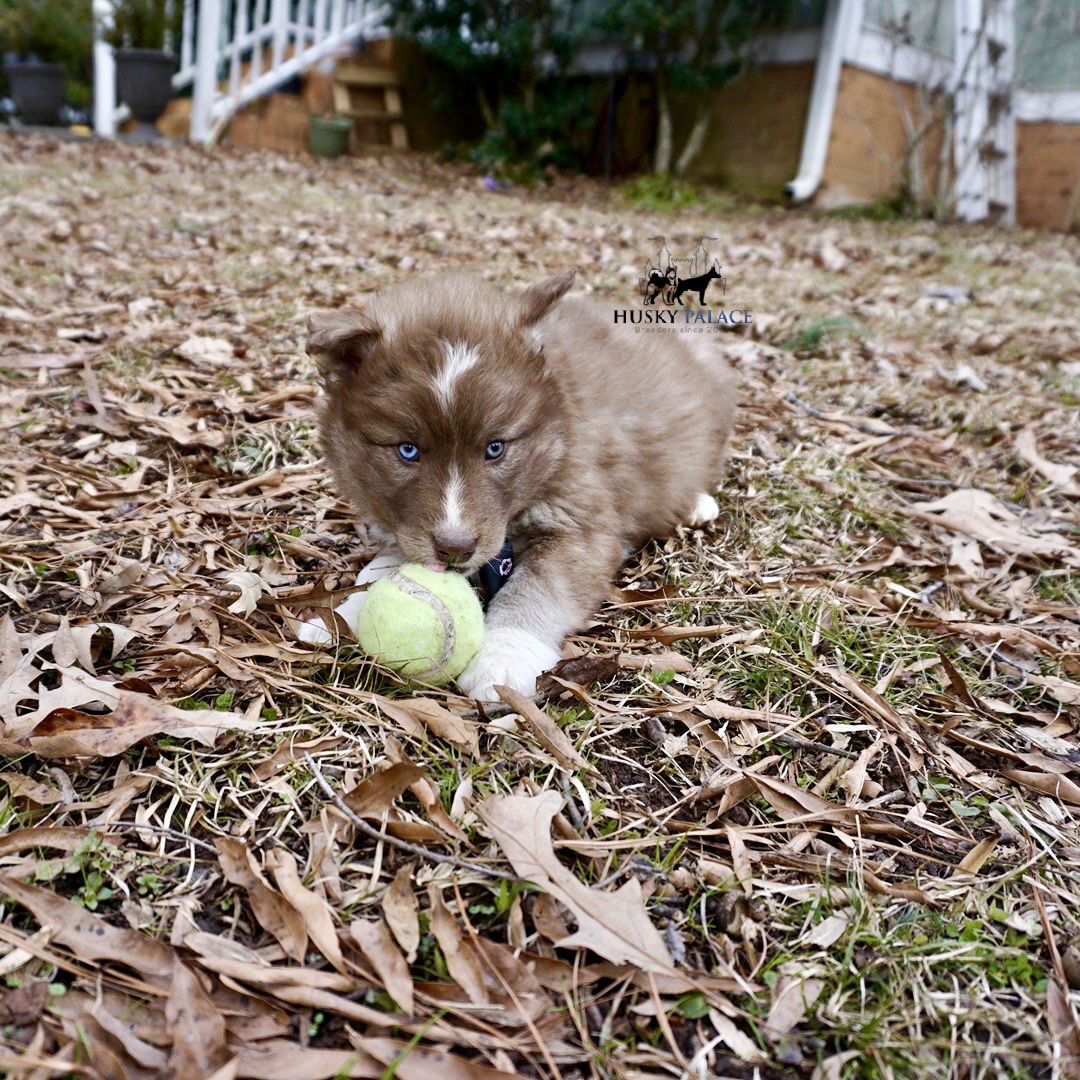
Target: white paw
(706, 509)
(379, 567)
(508, 657)
(314, 631)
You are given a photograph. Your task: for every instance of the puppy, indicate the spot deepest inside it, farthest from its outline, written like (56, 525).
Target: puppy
(455, 416)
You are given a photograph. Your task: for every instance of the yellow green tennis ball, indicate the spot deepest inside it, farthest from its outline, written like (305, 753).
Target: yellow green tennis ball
(421, 623)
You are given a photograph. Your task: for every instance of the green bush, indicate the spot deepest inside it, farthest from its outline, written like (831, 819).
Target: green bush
(145, 24)
(513, 54)
(524, 141)
(56, 32)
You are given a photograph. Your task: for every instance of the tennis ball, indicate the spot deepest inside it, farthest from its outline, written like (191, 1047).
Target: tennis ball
(422, 623)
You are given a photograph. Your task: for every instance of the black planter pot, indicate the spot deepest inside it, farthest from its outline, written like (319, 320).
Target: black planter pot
(38, 90)
(144, 84)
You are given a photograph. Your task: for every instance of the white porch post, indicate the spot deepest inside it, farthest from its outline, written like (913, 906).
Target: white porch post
(969, 107)
(279, 16)
(204, 90)
(104, 74)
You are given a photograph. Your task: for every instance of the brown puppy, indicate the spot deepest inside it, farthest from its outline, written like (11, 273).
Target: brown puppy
(454, 415)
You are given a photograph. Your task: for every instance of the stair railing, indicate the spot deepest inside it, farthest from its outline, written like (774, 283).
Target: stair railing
(232, 52)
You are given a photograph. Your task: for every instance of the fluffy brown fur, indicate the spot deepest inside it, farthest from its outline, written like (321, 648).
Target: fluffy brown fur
(611, 437)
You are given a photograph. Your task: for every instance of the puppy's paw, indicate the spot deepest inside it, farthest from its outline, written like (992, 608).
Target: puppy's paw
(379, 567)
(313, 631)
(508, 657)
(706, 509)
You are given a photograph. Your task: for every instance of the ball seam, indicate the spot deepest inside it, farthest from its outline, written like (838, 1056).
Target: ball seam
(412, 587)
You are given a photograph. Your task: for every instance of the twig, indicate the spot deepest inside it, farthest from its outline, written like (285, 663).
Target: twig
(404, 845)
(492, 710)
(158, 829)
(797, 742)
(866, 429)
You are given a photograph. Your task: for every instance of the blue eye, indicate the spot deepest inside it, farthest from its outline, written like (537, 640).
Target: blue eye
(408, 452)
(494, 450)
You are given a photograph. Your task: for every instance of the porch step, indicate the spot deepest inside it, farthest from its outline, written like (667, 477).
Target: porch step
(374, 115)
(365, 75)
(357, 90)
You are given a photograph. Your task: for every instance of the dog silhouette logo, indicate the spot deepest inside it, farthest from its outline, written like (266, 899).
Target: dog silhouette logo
(668, 278)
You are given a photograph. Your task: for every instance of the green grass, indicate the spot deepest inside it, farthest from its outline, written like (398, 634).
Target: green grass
(820, 333)
(666, 194)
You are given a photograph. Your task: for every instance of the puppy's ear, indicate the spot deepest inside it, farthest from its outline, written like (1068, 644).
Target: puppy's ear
(341, 340)
(537, 300)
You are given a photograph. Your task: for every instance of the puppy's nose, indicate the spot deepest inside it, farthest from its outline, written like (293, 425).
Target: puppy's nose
(453, 548)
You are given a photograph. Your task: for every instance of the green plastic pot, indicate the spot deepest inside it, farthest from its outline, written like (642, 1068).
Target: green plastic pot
(328, 136)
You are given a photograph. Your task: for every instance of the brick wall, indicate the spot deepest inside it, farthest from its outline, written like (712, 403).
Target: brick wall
(1048, 175)
(756, 130)
(869, 142)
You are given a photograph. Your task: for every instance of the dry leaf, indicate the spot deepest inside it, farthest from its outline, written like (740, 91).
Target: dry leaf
(251, 587)
(1063, 477)
(418, 1063)
(614, 925)
(195, 1025)
(314, 910)
(792, 997)
(1068, 693)
(980, 515)
(373, 797)
(419, 715)
(461, 961)
(24, 1004)
(832, 1067)
(741, 1045)
(59, 727)
(375, 942)
(400, 911)
(550, 736)
(89, 936)
(275, 914)
(206, 350)
(1064, 1030)
(428, 794)
(49, 837)
(277, 1059)
(1057, 787)
(976, 858)
(827, 932)
(548, 919)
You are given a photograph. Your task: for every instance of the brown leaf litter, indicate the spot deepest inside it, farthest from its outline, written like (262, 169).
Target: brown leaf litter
(802, 801)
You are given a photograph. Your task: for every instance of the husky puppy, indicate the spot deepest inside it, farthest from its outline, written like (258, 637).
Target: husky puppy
(455, 416)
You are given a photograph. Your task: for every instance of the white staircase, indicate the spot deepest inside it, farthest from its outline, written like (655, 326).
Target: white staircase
(984, 143)
(235, 51)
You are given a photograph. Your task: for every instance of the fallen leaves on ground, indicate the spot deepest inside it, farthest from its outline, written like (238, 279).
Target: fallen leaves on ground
(614, 925)
(785, 808)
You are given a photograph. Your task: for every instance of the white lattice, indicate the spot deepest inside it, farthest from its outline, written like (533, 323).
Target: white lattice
(984, 116)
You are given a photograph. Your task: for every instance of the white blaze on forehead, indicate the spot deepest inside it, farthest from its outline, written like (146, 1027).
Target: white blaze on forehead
(452, 522)
(459, 359)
